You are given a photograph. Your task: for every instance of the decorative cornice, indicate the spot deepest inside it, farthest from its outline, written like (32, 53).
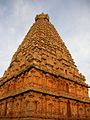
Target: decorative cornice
(43, 91)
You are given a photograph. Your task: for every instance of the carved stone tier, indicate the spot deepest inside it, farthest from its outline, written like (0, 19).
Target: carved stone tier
(42, 81)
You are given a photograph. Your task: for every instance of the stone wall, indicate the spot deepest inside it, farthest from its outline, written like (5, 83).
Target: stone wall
(36, 94)
(43, 81)
(38, 105)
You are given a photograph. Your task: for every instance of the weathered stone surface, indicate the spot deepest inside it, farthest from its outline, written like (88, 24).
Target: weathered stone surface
(42, 81)
(43, 48)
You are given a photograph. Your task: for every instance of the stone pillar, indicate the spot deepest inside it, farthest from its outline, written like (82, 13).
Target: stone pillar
(17, 102)
(47, 98)
(42, 107)
(75, 89)
(73, 107)
(68, 108)
(87, 108)
(59, 109)
(49, 83)
(67, 87)
(27, 104)
(61, 85)
(55, 108)
(9, 112)
(45, 106)
(80, 110)
(50, 106)
(3, 108)
(0, 108)
(38, 101)
(63, 107)
(44, 82)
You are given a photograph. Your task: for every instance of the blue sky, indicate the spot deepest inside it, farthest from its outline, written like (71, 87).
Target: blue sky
(71, 18)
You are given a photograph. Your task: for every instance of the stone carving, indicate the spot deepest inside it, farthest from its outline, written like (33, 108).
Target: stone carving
(42, 81)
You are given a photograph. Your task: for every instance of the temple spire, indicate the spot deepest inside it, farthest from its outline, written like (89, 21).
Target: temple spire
(42, 16)
(42, 81)
(42, 48)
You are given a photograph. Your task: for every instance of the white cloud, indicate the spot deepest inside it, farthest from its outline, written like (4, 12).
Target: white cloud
(2, 10)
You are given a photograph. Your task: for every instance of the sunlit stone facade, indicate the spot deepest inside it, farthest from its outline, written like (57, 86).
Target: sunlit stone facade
(42, 81)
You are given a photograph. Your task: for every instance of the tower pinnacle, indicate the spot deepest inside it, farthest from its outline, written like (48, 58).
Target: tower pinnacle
(42, 16)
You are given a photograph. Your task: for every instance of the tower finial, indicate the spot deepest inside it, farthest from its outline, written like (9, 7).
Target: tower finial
(42, 16)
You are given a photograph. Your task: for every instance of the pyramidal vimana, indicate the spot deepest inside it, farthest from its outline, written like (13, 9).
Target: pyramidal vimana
(42, 81)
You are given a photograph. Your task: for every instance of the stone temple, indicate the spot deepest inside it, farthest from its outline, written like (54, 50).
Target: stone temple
(42, 81)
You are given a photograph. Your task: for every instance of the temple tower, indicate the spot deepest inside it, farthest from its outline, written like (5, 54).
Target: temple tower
(42, 81)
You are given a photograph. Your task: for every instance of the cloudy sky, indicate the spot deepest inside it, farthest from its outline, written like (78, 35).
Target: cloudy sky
(71, 18)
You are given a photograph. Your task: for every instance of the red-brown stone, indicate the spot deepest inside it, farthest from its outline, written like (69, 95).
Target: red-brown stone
(42, 81)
